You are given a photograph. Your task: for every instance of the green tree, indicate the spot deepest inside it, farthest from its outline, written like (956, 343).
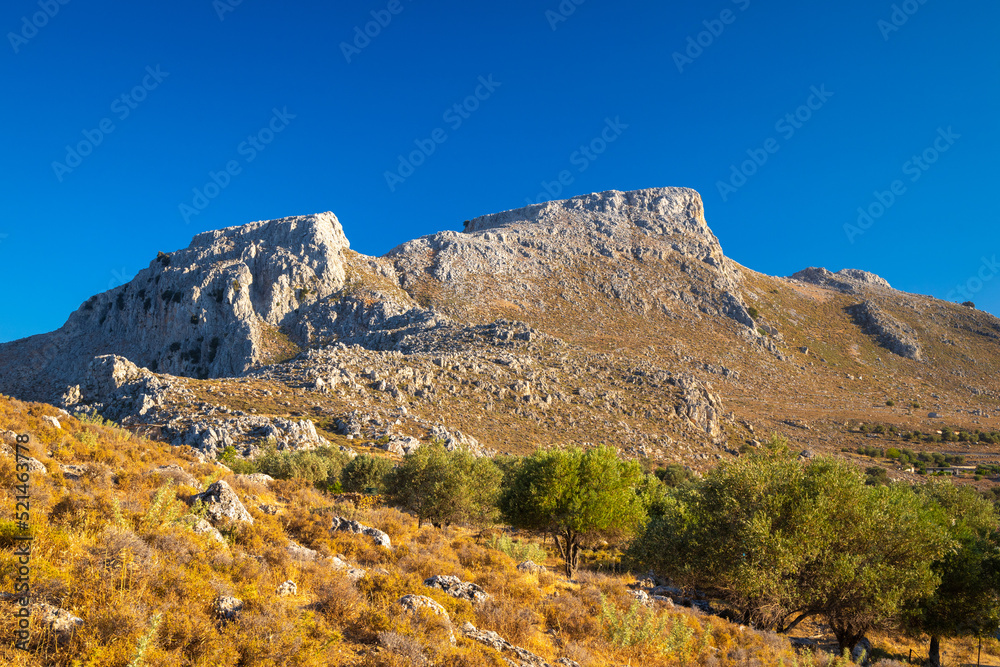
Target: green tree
(365, 472)
(445, 487)
(967, 602)
(782, 541)
(575, 496)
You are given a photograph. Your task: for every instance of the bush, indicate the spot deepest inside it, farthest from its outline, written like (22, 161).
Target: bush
(517, 550)
(365, 474)
(445, 487)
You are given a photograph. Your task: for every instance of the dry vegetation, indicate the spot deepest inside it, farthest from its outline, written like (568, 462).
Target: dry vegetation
(113, 547)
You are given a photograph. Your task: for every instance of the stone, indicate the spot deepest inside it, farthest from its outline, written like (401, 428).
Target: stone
(59, 622)
(861, 653)
(522, 657)
(222, 504)
(416, 604)
(350, 526)
(202, 527)
(299, 553)
(33, 465)
(287, 588)
(52, 421)
(256, 478)
(530, 567)
(73, 472)
(457, 588)
(227, 608)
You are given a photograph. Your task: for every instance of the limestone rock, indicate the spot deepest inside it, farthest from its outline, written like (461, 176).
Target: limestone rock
(351, 526)
(523, 657)
(59, 622)
(73, 472)
(33, 465)
(287, 588)
(415, 604)
(895, 336)
(457, 588)
(234, 285)
(52, 421)
(297, 552)
(227, 608)
(222, 503)
(530, 567)
(845, 280)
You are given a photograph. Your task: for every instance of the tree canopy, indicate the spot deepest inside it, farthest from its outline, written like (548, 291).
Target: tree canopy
(575, 496)
(783, 541)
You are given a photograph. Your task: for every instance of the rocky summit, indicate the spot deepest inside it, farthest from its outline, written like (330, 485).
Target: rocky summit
(612, 318)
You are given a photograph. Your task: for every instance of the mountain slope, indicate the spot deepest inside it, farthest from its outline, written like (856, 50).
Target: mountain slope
(612, 317)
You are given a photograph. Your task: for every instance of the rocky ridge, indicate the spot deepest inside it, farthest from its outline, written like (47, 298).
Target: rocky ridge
(612, 317)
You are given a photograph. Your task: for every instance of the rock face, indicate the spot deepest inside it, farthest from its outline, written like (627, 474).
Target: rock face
(845, 280)
(213, 309)
(533, 243)
(457, 588)
(350, 526)
(895, 336)
(222, 504)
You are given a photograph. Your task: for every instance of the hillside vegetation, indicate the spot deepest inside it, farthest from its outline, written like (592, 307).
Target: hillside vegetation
(119, 544)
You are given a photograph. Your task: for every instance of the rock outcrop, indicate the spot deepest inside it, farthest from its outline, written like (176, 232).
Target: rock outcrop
(222, 504)
(418, 604)
(457, 588)
(895, 336)
(351, 526)
(845, 280)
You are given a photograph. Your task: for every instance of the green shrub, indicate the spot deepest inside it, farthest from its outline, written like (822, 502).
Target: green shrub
(365, 474)
(517, 550)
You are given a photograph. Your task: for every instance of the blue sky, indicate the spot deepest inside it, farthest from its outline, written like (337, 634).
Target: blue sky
(787, 116)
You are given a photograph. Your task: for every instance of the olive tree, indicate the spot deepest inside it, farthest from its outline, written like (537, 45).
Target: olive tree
(445, 487)
(575, 496)
(365, 472)
(967, 602)
(783, 541)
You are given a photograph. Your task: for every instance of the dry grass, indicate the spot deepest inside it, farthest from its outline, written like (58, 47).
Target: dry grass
(112, 549)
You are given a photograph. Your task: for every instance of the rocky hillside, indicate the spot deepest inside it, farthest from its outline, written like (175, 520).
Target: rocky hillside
(612, 317)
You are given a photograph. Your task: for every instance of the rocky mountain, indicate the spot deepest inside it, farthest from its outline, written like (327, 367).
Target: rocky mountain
(611, 317)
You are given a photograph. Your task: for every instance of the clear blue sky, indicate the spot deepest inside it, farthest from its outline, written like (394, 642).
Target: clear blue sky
(67, 231)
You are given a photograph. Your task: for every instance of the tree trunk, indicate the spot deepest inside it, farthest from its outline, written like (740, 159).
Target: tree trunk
(569, 550)
(935, 651)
